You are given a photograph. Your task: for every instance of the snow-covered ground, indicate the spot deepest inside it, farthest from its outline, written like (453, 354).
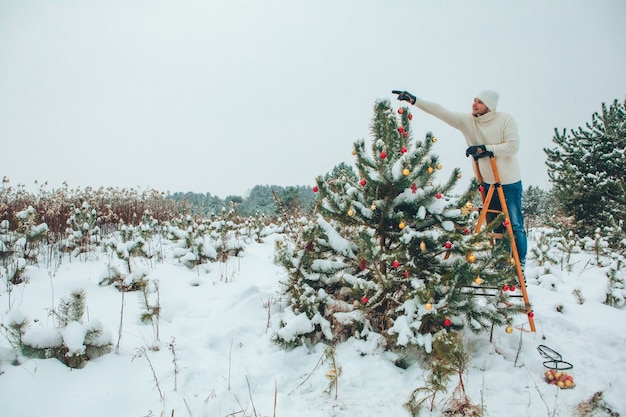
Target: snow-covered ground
(214, 355)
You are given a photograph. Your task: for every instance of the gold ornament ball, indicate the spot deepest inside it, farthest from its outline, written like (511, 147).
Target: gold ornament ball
(401, 225)
(459, 175)
(406, 172)
(353, 151)
(471, 258)
(478, 280)
(434, 140)
(439, 166)
(350, 212)
(508, 330)
(430, 170)
(428, 306)
(512, 261)
(423, 246)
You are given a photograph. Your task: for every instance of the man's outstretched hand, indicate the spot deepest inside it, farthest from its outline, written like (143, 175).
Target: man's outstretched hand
(477, 151)
(405, 96)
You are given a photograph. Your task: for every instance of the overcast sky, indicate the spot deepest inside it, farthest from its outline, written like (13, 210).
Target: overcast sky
(220, 96)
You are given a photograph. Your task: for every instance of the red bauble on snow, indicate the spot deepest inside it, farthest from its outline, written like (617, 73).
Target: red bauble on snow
(447, 322)
(410, 116)
(505, 287)
(512, 288)
(396, 264)
(405, 135)
(364, 300)
(383, 155)
(400, 110)
(531, 314)
(315, 189)
(481, 188)
(448, 245)
(466, 231)
(363, 182)
(438, 195)
(406, 274)
(506, 223)
(401, 129)
(403, 150)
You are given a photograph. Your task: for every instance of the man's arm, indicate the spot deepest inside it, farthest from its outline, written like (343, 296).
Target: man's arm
(440, 112)
(434, 109)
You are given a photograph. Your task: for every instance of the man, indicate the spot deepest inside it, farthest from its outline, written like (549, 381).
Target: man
(488, 131)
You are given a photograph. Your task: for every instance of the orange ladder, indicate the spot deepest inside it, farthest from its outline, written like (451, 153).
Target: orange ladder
(482, 219)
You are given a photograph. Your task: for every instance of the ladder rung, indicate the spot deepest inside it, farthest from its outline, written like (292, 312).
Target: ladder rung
(488, 210)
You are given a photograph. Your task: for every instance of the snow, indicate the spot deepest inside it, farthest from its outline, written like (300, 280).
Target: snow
(215, 355)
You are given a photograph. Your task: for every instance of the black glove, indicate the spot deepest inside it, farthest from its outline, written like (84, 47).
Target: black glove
(405, 96)
(478, 151)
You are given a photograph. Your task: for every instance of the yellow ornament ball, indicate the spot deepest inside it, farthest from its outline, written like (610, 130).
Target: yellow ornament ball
(428, 306)
(471, 258)
(439, 166)
(512, 261)
(434, 140)
(430, 170)
(508, 330)
(478, 280)
(423, 246)
(459, 175)
(406, 172)
(353, 151)
(350, 212)
(401, 225)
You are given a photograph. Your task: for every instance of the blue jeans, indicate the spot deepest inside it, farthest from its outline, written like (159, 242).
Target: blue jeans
(513, 197)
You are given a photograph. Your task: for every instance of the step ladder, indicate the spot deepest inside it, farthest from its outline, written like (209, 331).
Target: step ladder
(483, 219)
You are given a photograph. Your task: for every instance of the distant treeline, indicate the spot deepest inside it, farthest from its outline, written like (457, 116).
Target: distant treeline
(263, 199)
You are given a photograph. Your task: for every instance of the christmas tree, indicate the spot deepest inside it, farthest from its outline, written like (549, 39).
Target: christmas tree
(390, 254)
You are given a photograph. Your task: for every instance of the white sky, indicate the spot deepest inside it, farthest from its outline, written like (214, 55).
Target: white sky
(220, 96)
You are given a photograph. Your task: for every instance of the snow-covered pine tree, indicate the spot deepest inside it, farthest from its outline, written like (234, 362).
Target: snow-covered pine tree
(587, 169)
(391, 253)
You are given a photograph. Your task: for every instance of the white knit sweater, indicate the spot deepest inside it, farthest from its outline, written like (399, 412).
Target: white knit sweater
(497, 131)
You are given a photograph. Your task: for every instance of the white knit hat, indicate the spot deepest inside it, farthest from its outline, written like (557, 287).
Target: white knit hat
(490, 98)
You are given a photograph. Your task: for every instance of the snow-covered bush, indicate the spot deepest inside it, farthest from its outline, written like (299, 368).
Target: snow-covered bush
(72, 342)
(83, 230)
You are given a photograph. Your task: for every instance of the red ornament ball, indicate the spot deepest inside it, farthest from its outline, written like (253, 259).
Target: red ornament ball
(403, 150)
(410, 116)
(448, 245)
(383, 155)
(505, 287)
(404, 134)
(447, 322)
(362, 264)
(315, 189)
(396, 264)
(363, 182)
(506, 223)
(466, 231)
(406, 274)
(481, 188)
(400, 110)
(364, 300)
(531, 314)
(438, 195)
(401, 129)
(512, 288)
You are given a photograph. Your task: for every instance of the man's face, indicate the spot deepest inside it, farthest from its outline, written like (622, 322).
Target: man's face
(479, 108)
